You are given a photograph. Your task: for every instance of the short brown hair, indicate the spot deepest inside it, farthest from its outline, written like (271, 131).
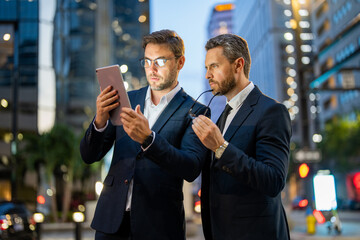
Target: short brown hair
(169, 37)
(234, 47)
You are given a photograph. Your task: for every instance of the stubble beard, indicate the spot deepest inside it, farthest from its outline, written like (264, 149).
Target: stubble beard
(167, 83)
(226, 86)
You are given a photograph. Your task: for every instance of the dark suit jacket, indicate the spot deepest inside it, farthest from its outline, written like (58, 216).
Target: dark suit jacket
(241, 191)
(157, 210)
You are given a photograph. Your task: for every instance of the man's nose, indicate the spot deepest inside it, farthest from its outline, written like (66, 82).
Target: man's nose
(208, 74)
(153, 66)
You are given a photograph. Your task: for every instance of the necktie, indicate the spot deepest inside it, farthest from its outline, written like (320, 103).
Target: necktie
(222, 119)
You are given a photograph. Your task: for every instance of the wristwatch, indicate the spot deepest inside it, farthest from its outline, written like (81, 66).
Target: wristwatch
(220, 150)
(148, 141)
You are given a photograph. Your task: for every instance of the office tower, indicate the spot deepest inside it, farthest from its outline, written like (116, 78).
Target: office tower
(19, 34)
(336, 26)
(91, 34)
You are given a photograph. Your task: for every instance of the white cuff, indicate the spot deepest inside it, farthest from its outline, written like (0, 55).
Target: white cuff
(101, 129)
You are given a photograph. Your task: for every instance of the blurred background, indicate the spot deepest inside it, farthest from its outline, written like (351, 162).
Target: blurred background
(305, 54)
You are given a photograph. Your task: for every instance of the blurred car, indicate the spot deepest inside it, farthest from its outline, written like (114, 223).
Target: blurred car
(16, 222)
(299, 203)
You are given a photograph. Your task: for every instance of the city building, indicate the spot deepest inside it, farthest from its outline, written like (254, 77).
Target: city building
(336, 27)
(19, 76)
(89, 34)
(49, 50)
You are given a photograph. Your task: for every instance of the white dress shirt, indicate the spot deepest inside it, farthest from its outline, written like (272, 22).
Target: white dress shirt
(236, 102)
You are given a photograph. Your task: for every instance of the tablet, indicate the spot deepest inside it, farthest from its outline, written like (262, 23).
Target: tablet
(111, 75)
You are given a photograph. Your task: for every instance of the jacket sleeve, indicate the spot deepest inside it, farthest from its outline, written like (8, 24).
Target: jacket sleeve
(94, 145)
(266, 171)
(186, 161)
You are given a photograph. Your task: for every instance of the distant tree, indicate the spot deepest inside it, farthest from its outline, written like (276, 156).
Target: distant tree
(58, 151)
(340, 145)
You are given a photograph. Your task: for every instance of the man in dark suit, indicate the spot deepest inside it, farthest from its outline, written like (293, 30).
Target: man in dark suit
(155, 149)
(243, 178)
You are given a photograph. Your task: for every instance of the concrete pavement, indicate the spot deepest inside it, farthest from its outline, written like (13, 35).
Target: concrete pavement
(350, 221)
(350, 229)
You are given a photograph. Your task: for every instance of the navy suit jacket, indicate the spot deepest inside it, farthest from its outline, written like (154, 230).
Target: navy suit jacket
(157, 210)
(241, 191)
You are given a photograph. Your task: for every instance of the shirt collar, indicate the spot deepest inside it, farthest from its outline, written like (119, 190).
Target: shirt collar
(239, 98)
(166, 98)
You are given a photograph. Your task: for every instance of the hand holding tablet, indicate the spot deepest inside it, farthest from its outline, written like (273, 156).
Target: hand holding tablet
(111, 76)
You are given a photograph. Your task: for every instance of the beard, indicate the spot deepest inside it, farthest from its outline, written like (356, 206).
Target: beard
(164, 83)
(225, 86)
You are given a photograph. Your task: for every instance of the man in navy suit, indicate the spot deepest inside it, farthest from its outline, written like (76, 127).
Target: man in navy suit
(243, 178)
(155, 150)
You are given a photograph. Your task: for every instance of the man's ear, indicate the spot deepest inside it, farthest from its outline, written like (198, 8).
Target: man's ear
(181, 62)
(239, 64)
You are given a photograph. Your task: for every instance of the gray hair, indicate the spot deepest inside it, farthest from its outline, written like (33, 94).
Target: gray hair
(234, 47)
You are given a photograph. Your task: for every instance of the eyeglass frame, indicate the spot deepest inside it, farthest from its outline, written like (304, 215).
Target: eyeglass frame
(143, 60)
(193, 115)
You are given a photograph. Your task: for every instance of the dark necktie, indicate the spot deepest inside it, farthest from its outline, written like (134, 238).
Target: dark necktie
(222, 119)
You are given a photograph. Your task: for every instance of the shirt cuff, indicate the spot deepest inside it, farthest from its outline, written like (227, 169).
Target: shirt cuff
(144, 149)
(101, 129)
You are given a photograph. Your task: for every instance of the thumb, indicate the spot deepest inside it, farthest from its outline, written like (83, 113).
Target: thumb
(137, 109)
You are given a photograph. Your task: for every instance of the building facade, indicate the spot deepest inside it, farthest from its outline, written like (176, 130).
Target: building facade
(336, 26)
(19, 34)
(49, 50)
(90, 34)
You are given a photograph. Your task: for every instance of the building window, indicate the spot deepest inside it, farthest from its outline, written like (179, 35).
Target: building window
(324, 27)
(324, 7)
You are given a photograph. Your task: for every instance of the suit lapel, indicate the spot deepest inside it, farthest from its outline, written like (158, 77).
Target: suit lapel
(169, 111)
(140, 99)
(243, 113)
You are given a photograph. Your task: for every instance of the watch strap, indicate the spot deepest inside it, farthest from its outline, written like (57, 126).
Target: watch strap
(220, 150)
(148, 141)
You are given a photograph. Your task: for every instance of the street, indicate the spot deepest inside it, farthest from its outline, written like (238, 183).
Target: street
(350, 229)
(350, 226)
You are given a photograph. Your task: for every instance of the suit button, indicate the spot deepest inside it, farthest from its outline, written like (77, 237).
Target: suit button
(138, 157)
(224, 168)
(126, 181)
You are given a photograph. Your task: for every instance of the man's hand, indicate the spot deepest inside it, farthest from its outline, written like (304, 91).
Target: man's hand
(105, 102)
(135, 124)
(208, 133)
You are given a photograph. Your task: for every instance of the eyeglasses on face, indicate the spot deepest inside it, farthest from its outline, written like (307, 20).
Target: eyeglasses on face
(159, 62)
(193, 115)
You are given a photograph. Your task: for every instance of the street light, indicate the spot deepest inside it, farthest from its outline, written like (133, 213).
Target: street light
(39, 219)
(317, 138)
(78, 218)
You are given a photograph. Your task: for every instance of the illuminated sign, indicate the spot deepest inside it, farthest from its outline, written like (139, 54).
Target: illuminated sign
(325, 194)
(224, 7)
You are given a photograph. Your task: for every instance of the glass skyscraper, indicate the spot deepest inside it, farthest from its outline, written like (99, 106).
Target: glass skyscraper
(91, 34)
(19, 33)
(49, 50)
(336, 26)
